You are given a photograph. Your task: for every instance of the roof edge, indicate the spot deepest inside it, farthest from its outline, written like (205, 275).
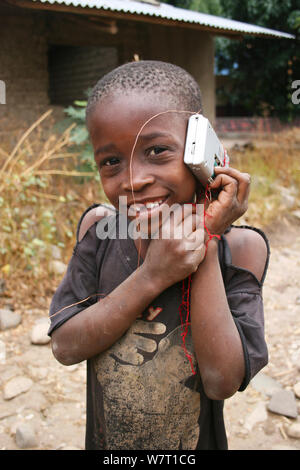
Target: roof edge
(162, 13)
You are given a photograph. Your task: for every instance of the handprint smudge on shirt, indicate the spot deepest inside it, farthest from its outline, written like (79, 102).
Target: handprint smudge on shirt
(151, 372)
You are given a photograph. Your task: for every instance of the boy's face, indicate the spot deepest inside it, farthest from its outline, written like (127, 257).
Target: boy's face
(159, 174)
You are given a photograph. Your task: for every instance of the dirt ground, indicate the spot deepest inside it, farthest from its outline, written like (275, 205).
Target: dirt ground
(249, 424)
(52, 404)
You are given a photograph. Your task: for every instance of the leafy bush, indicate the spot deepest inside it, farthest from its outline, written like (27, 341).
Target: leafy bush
(80, 139)
(40, 202)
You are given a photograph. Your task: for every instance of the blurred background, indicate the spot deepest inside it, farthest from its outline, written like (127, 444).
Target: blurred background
(245, 56)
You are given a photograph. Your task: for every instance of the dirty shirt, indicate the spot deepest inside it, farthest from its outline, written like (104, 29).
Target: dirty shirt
(143, 392)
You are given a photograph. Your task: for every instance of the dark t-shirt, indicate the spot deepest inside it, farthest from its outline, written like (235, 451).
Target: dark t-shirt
(144, 392)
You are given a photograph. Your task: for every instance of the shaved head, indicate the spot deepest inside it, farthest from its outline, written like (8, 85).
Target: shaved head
(162, 79)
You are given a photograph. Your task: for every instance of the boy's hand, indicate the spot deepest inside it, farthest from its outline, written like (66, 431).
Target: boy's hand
(179, 249)
(231, 202)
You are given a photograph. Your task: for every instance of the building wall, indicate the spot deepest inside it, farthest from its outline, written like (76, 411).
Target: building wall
(194, 51)
(23, 68)
(200, 63)
(27, 36)
(73, 70)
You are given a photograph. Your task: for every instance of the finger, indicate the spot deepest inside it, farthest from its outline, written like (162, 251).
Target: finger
(244, 187)
(165, 218)
(195, 241)
(227, 170)
(176, 214)
(194, 220)
(181, 230)
(227, 183)
(243, 179)
(188, 226)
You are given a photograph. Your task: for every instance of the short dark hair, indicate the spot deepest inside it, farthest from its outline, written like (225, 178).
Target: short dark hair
(150, 76)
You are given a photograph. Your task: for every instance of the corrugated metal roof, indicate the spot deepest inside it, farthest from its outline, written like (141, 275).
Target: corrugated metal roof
(169, 12)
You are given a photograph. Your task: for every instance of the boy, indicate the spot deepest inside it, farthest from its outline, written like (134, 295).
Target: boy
(144, 389)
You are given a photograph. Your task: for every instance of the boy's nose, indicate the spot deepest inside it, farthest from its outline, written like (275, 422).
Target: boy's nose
(137, 179)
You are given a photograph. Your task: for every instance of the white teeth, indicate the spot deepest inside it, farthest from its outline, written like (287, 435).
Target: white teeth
(136, 208)
(148, 205)
(151, 205)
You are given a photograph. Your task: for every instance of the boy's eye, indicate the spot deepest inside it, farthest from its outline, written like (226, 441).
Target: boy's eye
(156, 151)
(110, 161)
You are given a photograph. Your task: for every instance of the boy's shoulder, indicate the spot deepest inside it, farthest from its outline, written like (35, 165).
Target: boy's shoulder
(91, 215)
(249, 249)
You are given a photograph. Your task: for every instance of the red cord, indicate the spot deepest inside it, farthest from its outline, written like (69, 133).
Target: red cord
(185, 306)
(185, 301)
(210, 235)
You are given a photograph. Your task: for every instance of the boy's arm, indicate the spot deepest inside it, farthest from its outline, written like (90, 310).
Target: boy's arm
(217, 339)
(83, 332)
(217, 342)
(218, 345)
(97, 327)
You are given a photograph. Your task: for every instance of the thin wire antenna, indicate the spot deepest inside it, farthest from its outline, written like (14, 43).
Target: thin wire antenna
(76, 303)
(133, 149)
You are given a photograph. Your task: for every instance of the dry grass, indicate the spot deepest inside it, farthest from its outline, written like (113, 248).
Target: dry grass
(275, 173)
(41, 202)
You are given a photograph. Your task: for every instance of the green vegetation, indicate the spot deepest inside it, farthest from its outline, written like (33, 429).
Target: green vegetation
(262, 69)
(79, 138)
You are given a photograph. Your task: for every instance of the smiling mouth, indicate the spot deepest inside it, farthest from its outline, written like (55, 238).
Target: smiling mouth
(143, 207)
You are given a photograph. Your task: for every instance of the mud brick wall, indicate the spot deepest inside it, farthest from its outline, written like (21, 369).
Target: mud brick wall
(47, 60)
(23, 68)
(74, 70)
(34, 82)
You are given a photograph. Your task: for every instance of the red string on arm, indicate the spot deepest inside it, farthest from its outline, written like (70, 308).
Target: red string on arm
(210, 235)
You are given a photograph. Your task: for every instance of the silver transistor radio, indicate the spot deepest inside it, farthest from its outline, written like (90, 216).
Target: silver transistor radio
(203, 150)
